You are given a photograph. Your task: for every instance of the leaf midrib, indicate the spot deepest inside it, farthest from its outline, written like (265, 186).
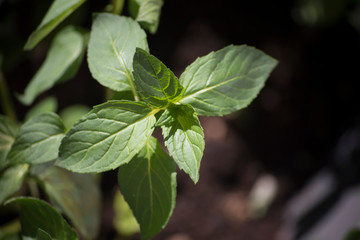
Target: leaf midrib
(212, 87)
(150, 179)
(121, 61)
(115, 133)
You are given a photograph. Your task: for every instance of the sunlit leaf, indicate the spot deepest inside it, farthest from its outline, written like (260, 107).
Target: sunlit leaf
(108, 136)
(184, 138)
(57, 12)
(226, 80)
(112, 45)
(146, 12)
(38, 140)
(148, 183)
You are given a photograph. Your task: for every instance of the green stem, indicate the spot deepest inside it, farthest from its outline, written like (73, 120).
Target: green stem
(6, 102)
(118, 6)
(33, 187)
(133, 89)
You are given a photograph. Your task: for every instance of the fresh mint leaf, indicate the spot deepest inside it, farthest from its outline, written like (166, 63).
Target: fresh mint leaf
(184, 138)
(226, 80)
(112, 45)
(38, 140)
(156, 84)
(11, 180)
(147, 13)
(148, 184)
(37, 214)
(62, 62)
(8, 131)
(57, 12)
(107, 137)
(83, 207)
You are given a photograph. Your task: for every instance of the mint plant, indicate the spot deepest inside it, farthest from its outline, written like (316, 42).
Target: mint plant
(117, 134)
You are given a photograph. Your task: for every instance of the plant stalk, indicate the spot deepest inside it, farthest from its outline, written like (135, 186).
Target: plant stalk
(118, 6)
(33, 187)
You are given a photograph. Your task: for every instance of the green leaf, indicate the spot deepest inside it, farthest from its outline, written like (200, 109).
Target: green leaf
(49, 104)
(146, 12)
(148, 184)
(124, 220)
(61, 63)
(37, 214)
(108, 136)
(353, 234)
(78, 197)
(112, 45)
(156, 84)
(57, 12)
(38, 140)
(11, 180)
(8, 131)
(184, 138)
(226, 80)
(42, 235)
(72, 114)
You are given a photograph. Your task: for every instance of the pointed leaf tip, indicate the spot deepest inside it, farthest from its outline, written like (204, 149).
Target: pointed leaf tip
(156, 84)
(184, 138)
(226, 80)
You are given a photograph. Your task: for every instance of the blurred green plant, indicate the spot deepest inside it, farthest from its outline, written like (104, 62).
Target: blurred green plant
(353, 234)
(48, 148)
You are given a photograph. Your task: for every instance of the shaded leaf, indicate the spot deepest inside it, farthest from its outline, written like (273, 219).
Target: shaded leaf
(11, 180)
(112, 45)
(148, 184)
(124, 220)
(226, 80)
(57, 12)
(38, 140)
(125, 95)
(37, 214)
(61, 63)
(8, 130)
(184, 138)
(146, 12)
(108, 136)
(156, 84)
(72, 114)
(42, 235)
(49, 104)
(77, 195)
